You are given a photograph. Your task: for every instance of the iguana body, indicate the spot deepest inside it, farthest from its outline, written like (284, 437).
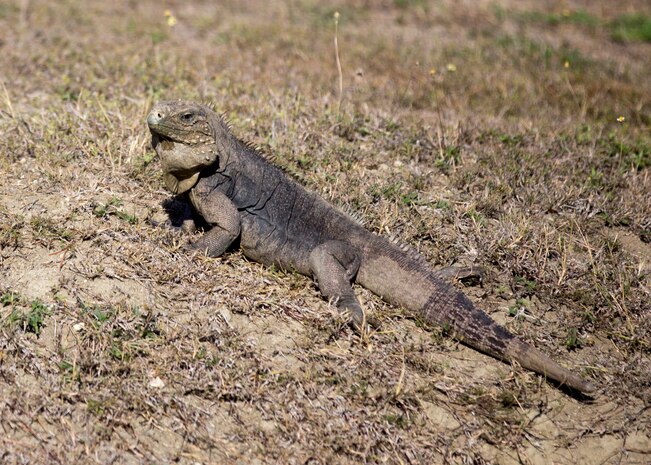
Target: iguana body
(277, 221)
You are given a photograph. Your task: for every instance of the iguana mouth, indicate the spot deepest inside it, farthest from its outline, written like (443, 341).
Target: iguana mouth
(160, 134)
(158, 138)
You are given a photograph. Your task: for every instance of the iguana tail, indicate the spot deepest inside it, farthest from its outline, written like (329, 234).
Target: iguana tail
(406, 280)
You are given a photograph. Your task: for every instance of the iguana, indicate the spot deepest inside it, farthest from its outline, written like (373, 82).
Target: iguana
(246, 198)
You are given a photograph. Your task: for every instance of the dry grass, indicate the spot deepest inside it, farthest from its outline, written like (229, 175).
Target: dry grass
(481, 133)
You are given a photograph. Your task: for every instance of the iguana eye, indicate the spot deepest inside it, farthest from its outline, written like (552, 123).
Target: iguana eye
(188, 117)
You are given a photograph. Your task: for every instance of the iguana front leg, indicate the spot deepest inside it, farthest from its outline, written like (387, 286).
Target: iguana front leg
(222, 215)
(334, 265)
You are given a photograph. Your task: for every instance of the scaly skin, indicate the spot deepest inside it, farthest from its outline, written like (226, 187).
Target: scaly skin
(243, 196)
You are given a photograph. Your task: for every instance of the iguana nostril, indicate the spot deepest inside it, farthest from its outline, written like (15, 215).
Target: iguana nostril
(154, 118)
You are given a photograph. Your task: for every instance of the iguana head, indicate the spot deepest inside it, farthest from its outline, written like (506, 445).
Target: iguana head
(183, 135)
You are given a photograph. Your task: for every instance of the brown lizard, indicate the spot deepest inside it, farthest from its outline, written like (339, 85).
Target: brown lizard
(245, 198)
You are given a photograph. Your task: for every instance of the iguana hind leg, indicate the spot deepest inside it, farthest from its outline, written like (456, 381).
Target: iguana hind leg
(334, 265)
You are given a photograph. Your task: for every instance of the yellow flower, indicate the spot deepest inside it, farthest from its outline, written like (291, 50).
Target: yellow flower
(621, 119)
(566, 64)
(171, 20)
(451, 67)
(336, 15)
(432, 71)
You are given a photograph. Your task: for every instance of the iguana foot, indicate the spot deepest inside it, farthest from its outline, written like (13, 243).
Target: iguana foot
(181, 218)
(168, 225)
(356, 316)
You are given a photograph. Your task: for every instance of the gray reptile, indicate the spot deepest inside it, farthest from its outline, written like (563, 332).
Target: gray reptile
(245, 198)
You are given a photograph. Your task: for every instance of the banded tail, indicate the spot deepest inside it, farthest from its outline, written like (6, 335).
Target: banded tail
(407, 281)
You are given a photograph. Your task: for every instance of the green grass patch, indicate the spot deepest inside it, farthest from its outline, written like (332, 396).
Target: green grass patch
(112, 208)
(632, 27)
(409, 4)
(578, 17)
(519, 308)
(573, 341)
(635, 155)
(98, 315)
(635, 27)
(9, 298)
(395, 192)
(49, 228)
(31, 320)
(450, 157)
